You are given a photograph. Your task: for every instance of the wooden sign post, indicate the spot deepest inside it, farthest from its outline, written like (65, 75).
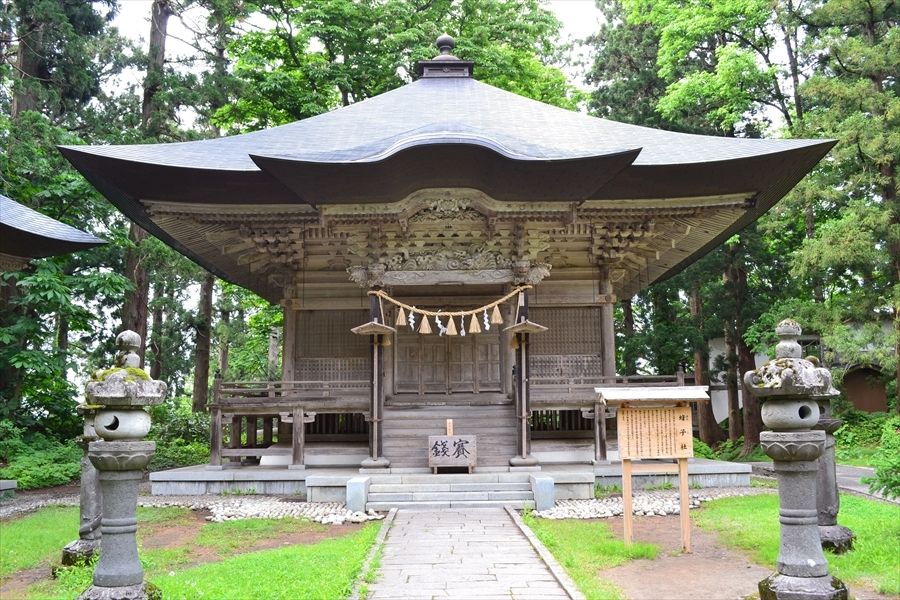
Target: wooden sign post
(655, 423)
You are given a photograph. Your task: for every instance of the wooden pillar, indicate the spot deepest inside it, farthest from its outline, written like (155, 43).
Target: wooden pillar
(298, 440)
(289, 342)
(607, 325)
(507, 354)
(267, 430)
(252, 422)
(215, 438)
(234, 441)
(607, 355)
(215, 425)
(523, 389)
(376, 402)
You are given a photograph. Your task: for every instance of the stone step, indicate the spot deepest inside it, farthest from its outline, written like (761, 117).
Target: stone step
(375, 488)
(385, 506)
(451, 478)
(448, 496)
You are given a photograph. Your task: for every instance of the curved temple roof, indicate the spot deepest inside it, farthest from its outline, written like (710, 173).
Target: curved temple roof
(446, 132)
(26, 233)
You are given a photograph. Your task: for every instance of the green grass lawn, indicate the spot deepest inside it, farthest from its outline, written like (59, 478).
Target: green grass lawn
(583, 548)
(51, 528)
(325, 569)
(750, 523)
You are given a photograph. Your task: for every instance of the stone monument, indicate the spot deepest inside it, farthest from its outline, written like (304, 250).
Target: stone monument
(788, 387)
(120, 458)
(81, 550)
(837, 538)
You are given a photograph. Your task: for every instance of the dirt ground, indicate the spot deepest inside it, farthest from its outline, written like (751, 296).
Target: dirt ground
(181, 533)
(710, 572)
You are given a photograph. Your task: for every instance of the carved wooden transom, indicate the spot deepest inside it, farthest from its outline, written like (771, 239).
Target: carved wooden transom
(450, 231)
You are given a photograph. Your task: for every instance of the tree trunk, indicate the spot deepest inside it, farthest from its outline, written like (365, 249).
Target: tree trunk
(225, 318)
(28, 65)
(156, 336)
(152, 121)
(204, 326)
(709, 431)
(752, 416)
(134, 308)
(62, 343)
(630, 361)
(731, 382)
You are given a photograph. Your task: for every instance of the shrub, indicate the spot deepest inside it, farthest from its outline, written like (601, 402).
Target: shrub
(11, 442)
(43, 463)
(860, 428)
(174, 420)
(886, 461)
(178, 453)
(702, 450)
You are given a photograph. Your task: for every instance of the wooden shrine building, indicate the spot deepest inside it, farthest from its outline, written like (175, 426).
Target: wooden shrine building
(442, 196)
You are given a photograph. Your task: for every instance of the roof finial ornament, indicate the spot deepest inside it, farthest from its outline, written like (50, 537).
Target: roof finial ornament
(445, 44)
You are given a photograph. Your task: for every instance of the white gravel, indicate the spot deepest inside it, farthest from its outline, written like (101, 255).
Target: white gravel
(222, 508)
(263, 507)
(227, 508)
(645, 503)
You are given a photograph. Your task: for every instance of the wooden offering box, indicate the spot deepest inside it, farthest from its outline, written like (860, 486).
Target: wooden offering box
(452, 451)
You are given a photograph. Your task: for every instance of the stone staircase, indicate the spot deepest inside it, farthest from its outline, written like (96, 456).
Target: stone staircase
(452, 490)
(407, 427)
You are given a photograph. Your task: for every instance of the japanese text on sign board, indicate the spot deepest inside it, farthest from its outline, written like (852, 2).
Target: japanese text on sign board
(655, 432)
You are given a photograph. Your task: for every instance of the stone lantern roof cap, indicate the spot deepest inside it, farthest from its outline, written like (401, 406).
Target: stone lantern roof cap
(789, 375)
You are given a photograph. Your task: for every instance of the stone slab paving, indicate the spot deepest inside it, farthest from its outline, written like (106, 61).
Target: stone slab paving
(465, 553)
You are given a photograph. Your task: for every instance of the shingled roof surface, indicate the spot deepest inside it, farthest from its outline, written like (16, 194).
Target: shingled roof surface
(446, 132)
(28, 233)
(452, 110)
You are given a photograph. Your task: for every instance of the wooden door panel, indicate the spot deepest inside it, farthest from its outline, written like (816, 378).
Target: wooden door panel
(487, 359)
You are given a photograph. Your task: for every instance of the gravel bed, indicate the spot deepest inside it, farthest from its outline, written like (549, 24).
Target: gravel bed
(222, 508)
(22, 504)
(263, 507)
(645, 503)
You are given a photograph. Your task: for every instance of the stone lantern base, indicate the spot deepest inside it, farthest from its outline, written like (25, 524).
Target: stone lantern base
(79, 552)
(836, 538)
(141, 591)
(785, 587)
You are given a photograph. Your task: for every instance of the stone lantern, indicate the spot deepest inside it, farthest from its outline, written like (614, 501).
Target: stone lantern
(90, 507)
(837, 538)
(789, 387)
(120, 458)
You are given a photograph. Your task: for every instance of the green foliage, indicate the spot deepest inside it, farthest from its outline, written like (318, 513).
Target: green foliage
(861, 428)
(605, 491)
(584, 548)
(703, 450)
(750, 523)
(43, 462)
(181, 435)
(731, 451)
(886, 461)
(315, 56)
(177, 453)
(11, 442)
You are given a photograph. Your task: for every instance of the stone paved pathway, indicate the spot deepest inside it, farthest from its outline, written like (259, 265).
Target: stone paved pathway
(465, 553)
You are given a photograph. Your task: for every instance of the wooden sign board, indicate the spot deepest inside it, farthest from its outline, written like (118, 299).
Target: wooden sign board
(651, 433)
(452, 451)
